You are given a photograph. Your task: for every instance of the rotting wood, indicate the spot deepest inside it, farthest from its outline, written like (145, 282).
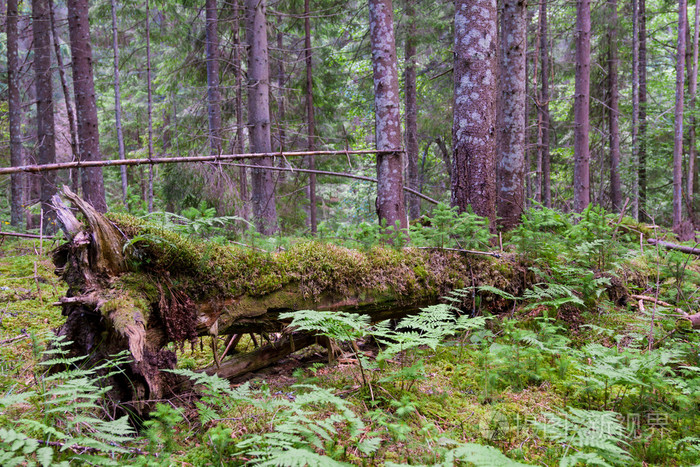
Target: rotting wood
(135, 286)
(674, 246)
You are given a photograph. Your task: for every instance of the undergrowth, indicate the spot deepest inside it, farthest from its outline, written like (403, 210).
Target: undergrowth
(575, 373)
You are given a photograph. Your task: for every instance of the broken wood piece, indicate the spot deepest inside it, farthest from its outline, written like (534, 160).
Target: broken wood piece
(674, 246)
(658, 302)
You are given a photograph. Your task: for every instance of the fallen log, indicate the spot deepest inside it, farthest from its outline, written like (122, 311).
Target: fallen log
(136, 286)
(674, 246)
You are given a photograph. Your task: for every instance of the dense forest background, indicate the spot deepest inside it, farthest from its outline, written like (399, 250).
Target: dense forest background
(165, 109)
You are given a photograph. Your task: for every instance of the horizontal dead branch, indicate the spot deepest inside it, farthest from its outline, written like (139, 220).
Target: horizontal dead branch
(646, 298)
(460, 250)
(674, 246)
(21, 235)
(177, 160)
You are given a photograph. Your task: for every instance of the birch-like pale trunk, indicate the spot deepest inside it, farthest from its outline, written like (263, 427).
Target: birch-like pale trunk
(474, 125)
(310, 116)
(582, 155)
(391, 207)
(678, 116)
(411, 109)
(263, 186)
(118, 105)
(614, 110)
(15, 113)
(85, 102)
(510, 166)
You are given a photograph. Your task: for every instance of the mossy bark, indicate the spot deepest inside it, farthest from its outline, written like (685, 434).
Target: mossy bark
(135, 286)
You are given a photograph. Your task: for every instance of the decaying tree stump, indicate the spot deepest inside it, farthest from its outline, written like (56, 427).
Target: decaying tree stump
(136, 286)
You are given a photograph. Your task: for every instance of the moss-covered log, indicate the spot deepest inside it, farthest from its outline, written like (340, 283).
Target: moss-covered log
(136, 286)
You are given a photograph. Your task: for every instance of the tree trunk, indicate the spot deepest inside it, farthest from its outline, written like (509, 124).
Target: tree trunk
(15, 114)
(85, 103)
(642, 158)
(150, 104)
(692, 91)
(473, 129)
(544, 105)
(635, 106)
(391, 207)
(239, 147)
(511, 133)
(182, 290)
(678, 116)
(411, 109)
(41, 27)
(263, 196)
(582, 156)
(614, 111)
(310, 116)
(118, 105)
(64, 86)
(213, 91)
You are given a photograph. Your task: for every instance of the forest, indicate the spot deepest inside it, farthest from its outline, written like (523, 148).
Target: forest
(290, 233)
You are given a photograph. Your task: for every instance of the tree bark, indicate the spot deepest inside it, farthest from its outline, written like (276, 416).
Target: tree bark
(85, 103)
(642, 159)
(118, 105)
(310, 116)
(678, 116)
(150, 104)
(692, 104)
(391, 207)
(213, 91)
(239, 147)
(543, 108)
(64, 86)
(614, 110)
(582, 156)
(15, 114)
(473, 129)
(263, 195)
(511, 133)
(635, 106)
(46, 142)
(411, 109)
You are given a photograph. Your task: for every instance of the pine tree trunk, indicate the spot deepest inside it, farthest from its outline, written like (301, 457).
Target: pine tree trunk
(150, 104)
(391, 207)
(310, 116)
(242, 174)
(118, 105)
(614, 111)
(642, 158)
(213, 90)
(678, 116)
(544, 105)
(511, 130)
(635, 105)
(411, 110)
(263, 195)
(46, 143)
(85, 103)
(473, 130)
(15, 113)
(582, 156)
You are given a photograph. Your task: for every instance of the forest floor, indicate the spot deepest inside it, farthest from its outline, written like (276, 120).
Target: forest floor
(574, 374)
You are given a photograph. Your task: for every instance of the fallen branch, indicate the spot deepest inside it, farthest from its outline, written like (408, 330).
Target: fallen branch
(333, 174)
(175, 160)
(21, 235)
(658, 302)
(674, 246)
(460, 250)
